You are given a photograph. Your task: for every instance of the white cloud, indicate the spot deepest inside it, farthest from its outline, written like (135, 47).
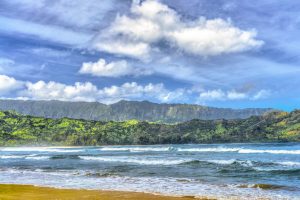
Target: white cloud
(134, 91)
(58, 91)
(112, 69)
(89, 92)
(8, 84)
(151, 22)
(262, 94)
(220, 95)
(139, 50)
(234, 95)
(213, 37)
(212, 95)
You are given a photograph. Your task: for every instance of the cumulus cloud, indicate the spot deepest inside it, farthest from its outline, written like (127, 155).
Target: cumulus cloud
(151, 22)
(112, 69)
(8, 84)
(58, 91)
(88, 92)
(134, 91)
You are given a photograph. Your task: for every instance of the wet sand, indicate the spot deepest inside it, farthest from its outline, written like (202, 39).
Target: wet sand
(28, 192)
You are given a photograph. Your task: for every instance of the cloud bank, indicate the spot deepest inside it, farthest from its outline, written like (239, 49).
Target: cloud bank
(86, 91)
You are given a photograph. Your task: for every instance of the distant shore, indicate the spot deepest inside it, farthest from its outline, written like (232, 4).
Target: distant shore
(29, 192)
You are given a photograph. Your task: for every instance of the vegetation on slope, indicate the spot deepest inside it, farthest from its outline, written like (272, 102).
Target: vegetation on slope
(16, 129)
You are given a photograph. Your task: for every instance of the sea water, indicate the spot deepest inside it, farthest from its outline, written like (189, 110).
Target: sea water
(224, 171)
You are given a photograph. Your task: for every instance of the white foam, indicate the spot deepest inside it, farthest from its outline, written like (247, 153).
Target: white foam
(30, 157)
(37, 158)
(221, 162)
(135, 160)
(136, 149)
(289, 163)
(40, 149)
(12, 157)
(218, 149)
(251, 151)
(165, 186)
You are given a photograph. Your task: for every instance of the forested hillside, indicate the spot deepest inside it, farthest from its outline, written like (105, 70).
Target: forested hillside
(16, 129)
(126, 110)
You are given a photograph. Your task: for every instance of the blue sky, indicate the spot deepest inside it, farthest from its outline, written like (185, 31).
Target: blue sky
(212, 52)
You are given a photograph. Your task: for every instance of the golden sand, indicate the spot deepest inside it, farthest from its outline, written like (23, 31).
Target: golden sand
(28, 192)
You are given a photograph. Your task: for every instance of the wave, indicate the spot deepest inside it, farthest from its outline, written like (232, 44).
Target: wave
(137, 149)
(267, 187)
(135, 160)
(218, 149)
(60, 157)
(12, 157)
(289, 163)
(239, 150)
(166, 162)
(153, 149)
(234, 165)
(243, 163)
(254, 151)
(28, 157)
(158, 185)
(37, 158)
(40, 149)
(274, 171)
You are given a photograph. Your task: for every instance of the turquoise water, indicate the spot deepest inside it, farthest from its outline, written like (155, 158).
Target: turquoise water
(244, 171)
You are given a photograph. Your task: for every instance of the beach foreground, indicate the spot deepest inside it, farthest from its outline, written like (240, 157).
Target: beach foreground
(29, 192)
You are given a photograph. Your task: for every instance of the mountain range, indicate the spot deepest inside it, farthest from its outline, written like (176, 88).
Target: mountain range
(16, 129)
(127, 110)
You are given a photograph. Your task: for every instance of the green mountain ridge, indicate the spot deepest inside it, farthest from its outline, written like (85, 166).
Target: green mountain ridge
(16, 129)
(127, 110)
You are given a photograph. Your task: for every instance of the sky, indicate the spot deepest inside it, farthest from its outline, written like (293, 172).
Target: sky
(221, 53)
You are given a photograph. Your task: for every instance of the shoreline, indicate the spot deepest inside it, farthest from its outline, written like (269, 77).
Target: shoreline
(31, 192)
(133, 145)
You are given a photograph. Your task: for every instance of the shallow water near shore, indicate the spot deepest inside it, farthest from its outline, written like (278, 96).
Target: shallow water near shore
(243, 171)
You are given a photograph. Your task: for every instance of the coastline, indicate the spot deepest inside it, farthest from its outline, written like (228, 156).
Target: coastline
(161, 171)
(31, 192)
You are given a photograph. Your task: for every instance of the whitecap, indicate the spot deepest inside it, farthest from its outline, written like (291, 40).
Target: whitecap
(12, 157)
(37, 157)
(135, 160)
(39, 149)
(222, 162)
(136, 149)
(253, 151)
(289, 163)
(219, 149)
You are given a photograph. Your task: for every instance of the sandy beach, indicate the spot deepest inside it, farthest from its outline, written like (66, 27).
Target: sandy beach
(28, 192)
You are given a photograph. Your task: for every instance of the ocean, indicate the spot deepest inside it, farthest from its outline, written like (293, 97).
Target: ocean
(223, 171)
